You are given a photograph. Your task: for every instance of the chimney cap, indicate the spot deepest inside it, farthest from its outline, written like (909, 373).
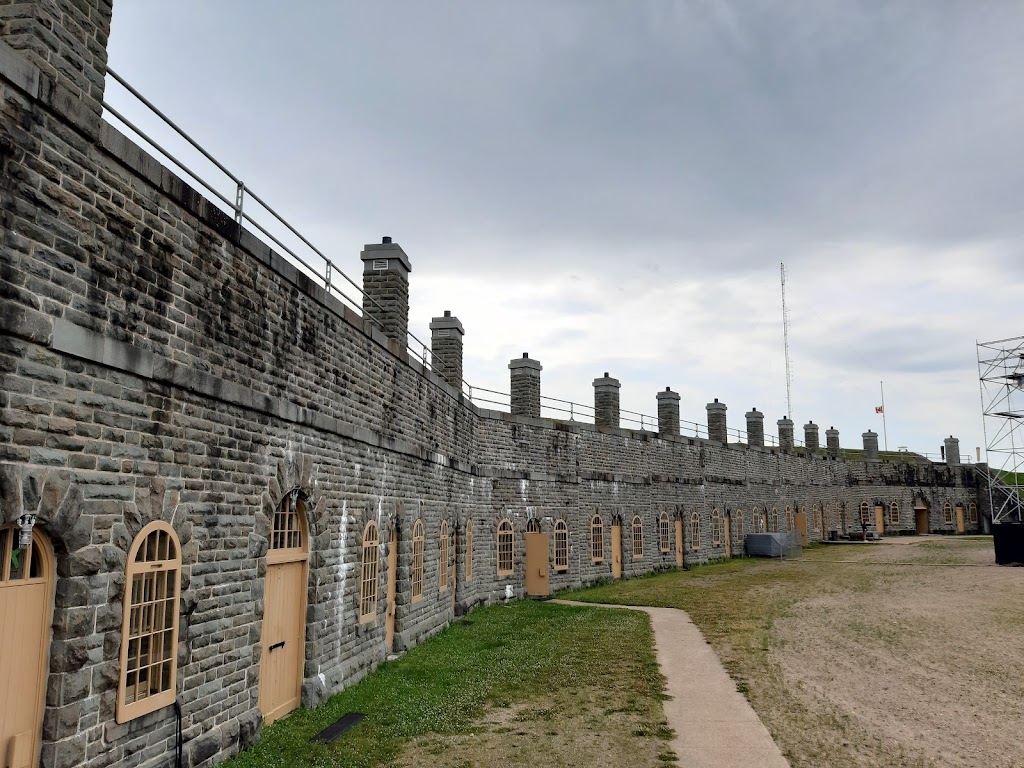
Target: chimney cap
(385, 240)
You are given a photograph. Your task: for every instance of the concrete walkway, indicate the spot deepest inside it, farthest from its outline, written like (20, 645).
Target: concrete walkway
(715, 726)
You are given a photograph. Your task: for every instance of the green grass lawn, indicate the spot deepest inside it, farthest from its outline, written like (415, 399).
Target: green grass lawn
(509, 656)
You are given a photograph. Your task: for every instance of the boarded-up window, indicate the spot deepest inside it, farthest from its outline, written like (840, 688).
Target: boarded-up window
(947, 512)
(638, 538)
(694, 531)
(417, 560)
(561, 546)
(596, 539)
(149, 632)
(368, 581)
(469, 549)
(972, 513)
(716, 527)
(442, 559)
(664, 532)
(505, 548)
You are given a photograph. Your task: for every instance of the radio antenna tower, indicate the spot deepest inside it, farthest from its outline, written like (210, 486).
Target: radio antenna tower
(785, 342)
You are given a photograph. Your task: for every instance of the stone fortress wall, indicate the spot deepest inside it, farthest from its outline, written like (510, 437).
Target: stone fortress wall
(160, 363)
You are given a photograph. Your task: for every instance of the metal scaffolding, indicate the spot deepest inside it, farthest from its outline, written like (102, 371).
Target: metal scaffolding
(1001, 373)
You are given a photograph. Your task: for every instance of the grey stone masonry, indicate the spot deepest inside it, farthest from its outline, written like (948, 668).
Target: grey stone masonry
(525, 385)
(786, 434)
(952, 446)
(446, 348)
(832, 441)
(606, 401)
(386, 271)
(755, 428)
(717, 428)
(668, 412)
(870, 445)
(811, 436)
(67, 41)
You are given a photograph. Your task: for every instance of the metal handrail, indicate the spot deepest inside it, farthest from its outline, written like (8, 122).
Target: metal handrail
(237, 208)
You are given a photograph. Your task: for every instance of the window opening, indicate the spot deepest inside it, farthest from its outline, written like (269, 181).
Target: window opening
(368, 583)
(442, 559)
(561, 546)
(638, 537)
(596, 539)
(149, 632)
(664, 532)
(417, 561)
(505, 548)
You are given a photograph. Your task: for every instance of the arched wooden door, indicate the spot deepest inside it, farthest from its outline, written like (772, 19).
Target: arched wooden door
(284, 614)
(617, 549)
(920, 519)
(389, 616)
(728, 535)
(679, 542)
(26, 613)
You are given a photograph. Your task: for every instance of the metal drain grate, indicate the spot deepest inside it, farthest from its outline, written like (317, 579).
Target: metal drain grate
(331, 732)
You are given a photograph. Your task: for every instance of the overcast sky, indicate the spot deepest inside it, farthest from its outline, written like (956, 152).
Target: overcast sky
(611, 186)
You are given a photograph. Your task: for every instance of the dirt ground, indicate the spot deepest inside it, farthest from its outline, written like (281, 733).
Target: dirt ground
(574, 728)
(914, 648)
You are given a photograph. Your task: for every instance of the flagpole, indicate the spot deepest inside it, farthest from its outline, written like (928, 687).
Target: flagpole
(885, 432)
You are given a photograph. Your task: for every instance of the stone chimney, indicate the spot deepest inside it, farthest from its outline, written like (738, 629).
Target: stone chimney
(952, 445)
(668, 412)
(386, 271)
(870, 445)
(811, 436)
(446, 348)
(755, 428)
(606, 401)
(67, 41)
(786, 443)
(832, 441)
(525, 383)
(717, 428)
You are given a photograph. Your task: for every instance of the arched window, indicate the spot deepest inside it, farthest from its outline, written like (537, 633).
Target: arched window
(149, 630)
(417, 561)
(894, 514)
(789, 519)
(716, 527)
(972, 513)
(738, 521)
(638, 538)
(368, 582)
(694, 531)
(561, 546)
(442, 558)
(947, 512)
(664, 532)
(865, 513)
(505, 548)
(469, 549)
(596, 539)
(774, 521)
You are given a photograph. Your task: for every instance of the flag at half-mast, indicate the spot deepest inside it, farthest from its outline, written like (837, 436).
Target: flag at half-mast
(879, 409)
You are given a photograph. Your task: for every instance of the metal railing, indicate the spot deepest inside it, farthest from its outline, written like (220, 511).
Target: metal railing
(250, 210)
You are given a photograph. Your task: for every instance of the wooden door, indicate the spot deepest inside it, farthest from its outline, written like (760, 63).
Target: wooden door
(920, 520)
(616, 551)
(728, 536)
(26, 612)
(537, 565)
(960, 519)
(389, 615)
(283, 631)
(880, 519)
(801, 526)
(679, 542)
